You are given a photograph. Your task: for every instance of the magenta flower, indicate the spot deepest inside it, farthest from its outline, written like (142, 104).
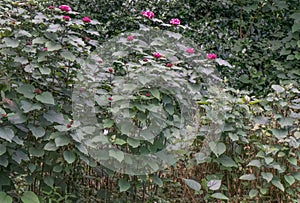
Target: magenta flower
(86, 19)
(190, 50)
(148, 14)
(51, 7)
(175, 21)
(169, 65)
(145, 60)
(111, 70)
(211, 56)
(130, 38)
(66, 18)
(157, 55)
(65, 8)
(148, 94)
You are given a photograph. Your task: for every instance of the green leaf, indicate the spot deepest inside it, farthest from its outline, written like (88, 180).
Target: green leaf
(201, 157)
(253, 193)
(17, 118)
(120, 141)
(170, 109)
(2, 149)
(28, 106)
(278, 88)
(26, 90)
(133, 142)
(292, 161)
(108, 123)
(37, 131)
(226, 161)
(62, 141)
(30, 197)
(295, 16)
(39, 40)
(267, 176)
(217, 148)
(289, 179)
(46, 98)
(219, 196)
(21, 60)
(155, 93)
(45, 70)
(13, 43)
(69, 156)
(222, 62)
(36, 152)
(6, 133)
(285, 122)
(278, 184)
(4, 198)
(123, 185)
(51, 46)
(68, 55)
(296, 27)
(248, 177)
(53, 116)
(192, 184)
(255, 163)
(280, 133)
(49, 180)
(3, 161)
(269, 160)
(50, 146)
(157, 181)
(117, 154)
(296, 175)
(214, 184)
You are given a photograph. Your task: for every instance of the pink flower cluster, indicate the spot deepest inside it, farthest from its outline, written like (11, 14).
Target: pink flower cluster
(66, 18)
(130, 38)
(86, 20)
(190, 50)
(148, 14)
(211, 56)
(157, 55)
(175, 21)
(65, 8)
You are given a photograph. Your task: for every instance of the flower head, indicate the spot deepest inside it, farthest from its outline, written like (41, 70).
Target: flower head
(86, 19)
(130, 38)
(145, 59)
(88, 39)
(157, 55)
(148, 14)
(65, 8)
(211, 56)
(66, 18)
(190, 50)
(148, 94)
(110, 98)
(169, 65)
(111, 70)
(51, 7)
(38, 91)
(175, 21)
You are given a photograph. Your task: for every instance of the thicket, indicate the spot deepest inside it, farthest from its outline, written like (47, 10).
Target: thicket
(255, 159)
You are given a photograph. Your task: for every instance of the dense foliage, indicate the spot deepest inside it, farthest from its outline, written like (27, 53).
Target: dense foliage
(47, 50)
